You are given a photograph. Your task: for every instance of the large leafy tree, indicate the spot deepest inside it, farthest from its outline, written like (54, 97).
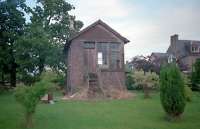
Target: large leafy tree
(44, 38)
(56, 19)
(59, 25)
(32, 49)
(27, 48)
(12, 23)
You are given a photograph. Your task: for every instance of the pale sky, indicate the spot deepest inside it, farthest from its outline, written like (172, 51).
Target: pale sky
(148, 24)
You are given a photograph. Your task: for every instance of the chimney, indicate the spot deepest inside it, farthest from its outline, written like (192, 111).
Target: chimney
(174, 38)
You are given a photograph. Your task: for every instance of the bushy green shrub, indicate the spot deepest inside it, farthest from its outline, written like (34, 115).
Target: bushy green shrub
(29, 97)
(146, 81)
(172, 92)
(129, 81)
(51, 76)
(188, 91)
(60, 80)
(150, 79)
(195, 77)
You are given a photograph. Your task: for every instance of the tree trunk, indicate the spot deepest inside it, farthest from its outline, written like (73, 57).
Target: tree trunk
(13, 75)
(146, 91)
(29, 120)
(41, 65)
(13, 68)
(2, 78)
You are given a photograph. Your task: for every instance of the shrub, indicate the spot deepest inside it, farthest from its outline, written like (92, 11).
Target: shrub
(146, 81)
(172, 93)
(129, 81)
(60, 80)
(188, 91)
(28, 79)
(150, 79)
(54, 77)
(195, 77)
(29, 97)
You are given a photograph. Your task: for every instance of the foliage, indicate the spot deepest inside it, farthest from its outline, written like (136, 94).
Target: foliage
(29, 97)
(54, 77)
(142, 63)
(32, 50)
(51, 26)
(60, 80)
(27, 48)
(12, 24)
(188, 91)
(195, 78)
(56, 21)
(129, 81)
(150, 79)
(146, 81)
(172, 93)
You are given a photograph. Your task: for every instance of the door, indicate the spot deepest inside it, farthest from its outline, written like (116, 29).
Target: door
(90, 57)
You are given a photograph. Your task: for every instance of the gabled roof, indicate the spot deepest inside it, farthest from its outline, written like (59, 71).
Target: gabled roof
(159, 54)
(183, 47)
(99, 22)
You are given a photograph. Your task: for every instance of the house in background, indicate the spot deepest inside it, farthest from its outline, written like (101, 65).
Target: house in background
(158, 58)
(96, 59)
(185, 52)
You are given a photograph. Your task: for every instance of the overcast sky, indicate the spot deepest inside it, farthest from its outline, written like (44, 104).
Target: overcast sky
(148, 24)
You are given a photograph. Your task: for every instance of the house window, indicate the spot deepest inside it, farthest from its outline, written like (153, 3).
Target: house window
(171, 58)
(102, 53)
(195, 49)
(100, 58)
(115, 56)
(89, 45)
(114, 46)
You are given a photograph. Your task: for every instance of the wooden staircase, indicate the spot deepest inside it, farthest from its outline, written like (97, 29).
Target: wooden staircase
(94, 89)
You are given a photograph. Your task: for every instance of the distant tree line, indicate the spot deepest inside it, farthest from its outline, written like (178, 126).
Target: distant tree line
(145, 64)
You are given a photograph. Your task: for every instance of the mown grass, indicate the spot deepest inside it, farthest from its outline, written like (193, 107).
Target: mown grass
(135, 113)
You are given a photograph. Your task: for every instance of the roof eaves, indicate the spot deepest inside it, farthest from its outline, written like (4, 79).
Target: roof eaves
(103, 24)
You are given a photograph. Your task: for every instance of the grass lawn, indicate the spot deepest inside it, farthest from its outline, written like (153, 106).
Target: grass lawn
(136, 113)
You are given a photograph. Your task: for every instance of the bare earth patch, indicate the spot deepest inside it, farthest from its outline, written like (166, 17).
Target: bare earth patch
(108, 94)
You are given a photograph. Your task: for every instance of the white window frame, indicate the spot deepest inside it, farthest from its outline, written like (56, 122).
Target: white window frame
(100, 58)
(196, 50)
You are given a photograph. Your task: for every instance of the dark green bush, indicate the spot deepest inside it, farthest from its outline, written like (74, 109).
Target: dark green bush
(56, 78)
(29, 97)
(129, 81)
(195, 78)
(172, 92)
(60, 80)
(188, 93)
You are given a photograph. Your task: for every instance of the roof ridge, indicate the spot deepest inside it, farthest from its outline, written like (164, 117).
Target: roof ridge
(105, 26)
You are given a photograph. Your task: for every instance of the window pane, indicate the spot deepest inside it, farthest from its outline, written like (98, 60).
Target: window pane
(100, 55)
(89, 45)
(115, 60)
(102, 47)
(115, 46)
(99, 58)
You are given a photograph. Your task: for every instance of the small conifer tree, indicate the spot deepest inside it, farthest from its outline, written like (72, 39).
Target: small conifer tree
(172, 92)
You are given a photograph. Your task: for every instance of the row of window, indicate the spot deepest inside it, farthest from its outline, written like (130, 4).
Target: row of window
(195, 49)
(105, 49)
